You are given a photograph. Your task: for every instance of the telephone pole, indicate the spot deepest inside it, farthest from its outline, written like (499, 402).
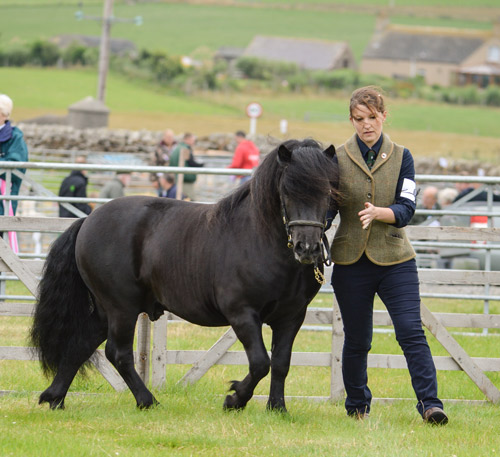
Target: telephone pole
(104, 49)
(107, 20)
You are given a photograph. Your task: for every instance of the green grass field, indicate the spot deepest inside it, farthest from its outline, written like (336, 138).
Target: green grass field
(191, 422)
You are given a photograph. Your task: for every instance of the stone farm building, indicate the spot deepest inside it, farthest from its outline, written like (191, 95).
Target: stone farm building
(441, 56)
(117, 46)
(308, 54)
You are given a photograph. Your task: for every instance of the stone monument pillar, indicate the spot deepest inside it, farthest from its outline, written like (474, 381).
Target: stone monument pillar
(88, 113)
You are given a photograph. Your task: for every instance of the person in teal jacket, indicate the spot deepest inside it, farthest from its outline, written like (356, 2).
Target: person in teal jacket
(12, 147)
(185, 147)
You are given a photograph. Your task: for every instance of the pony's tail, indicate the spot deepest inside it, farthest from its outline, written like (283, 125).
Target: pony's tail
(62, 314)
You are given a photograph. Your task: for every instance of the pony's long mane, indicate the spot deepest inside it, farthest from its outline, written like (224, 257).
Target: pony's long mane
(310, 173)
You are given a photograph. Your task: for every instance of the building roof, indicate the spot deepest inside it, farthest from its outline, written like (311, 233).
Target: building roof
(116, 45)
(308, 54)
(229, 52)
(422, 45)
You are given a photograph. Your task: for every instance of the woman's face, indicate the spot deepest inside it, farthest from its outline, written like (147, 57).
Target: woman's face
(368, 124)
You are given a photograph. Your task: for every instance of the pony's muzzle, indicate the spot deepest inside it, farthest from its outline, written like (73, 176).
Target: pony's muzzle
(306, 252)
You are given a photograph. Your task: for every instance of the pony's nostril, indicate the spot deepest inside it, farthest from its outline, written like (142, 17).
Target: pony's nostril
(299, 247)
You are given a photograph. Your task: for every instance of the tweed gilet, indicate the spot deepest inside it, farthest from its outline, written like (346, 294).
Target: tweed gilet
(382, 243)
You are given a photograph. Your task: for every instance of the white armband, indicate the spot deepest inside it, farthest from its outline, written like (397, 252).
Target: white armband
(409, 189)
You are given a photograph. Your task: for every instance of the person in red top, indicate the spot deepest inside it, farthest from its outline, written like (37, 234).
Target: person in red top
(246, 155)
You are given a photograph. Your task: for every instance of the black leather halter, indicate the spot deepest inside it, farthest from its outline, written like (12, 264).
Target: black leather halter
(327, 259)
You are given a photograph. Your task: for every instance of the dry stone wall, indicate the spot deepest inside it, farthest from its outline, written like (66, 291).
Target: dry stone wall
(121, 140)
(62, 137)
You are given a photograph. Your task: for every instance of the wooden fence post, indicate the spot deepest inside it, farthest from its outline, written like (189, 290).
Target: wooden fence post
(336, 383)
(159, 357)
(143, 346)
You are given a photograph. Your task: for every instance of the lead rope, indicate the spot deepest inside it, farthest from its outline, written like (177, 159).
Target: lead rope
(327, 260)
(319, 276)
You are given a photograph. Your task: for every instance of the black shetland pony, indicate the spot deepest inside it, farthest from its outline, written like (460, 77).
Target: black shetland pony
(229, 263)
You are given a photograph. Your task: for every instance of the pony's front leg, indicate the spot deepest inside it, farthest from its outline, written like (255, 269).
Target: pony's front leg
(283, 337)
(249, 332)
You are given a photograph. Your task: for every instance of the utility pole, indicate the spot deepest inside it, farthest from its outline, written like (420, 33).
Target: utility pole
(104, 50)
(107, 20)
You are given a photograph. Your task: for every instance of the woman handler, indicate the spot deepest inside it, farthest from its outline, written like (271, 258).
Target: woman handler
(373, 255)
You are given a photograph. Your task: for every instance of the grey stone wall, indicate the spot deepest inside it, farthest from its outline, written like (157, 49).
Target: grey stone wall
(144, 141)
(121, 140)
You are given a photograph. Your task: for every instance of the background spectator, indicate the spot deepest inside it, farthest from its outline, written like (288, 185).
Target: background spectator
(246, 155)
(429, 201)
(12, 147)
(168, 187)
(465, 188)
(446, 196)
(116, 187)
(164, 148)
(75, 185)
(185, 150)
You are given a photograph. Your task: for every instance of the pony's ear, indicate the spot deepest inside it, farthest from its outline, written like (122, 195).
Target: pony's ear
(284, 155)
(330, 151)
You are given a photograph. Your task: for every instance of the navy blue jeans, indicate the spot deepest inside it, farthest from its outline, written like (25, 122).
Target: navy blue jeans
(398, 287)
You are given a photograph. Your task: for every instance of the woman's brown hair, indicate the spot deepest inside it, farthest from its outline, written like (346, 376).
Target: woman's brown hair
(369, 96)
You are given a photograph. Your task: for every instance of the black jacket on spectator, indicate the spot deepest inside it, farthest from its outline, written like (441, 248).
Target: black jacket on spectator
(74, 185)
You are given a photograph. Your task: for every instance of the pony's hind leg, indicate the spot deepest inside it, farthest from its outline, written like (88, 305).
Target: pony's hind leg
(249, 332)
(72, 360)
(119, 351)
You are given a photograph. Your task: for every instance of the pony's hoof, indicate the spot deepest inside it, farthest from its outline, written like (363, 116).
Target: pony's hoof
(148, 404)
(54, 402)
(280, 409)
(231, 403)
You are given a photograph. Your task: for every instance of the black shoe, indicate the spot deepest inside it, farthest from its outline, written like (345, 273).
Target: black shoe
(435, 416)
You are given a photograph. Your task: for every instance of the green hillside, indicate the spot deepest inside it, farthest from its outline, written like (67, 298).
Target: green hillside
(182, 28)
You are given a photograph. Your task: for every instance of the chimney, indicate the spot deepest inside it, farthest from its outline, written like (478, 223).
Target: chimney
(381, 24)
(382, 21)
